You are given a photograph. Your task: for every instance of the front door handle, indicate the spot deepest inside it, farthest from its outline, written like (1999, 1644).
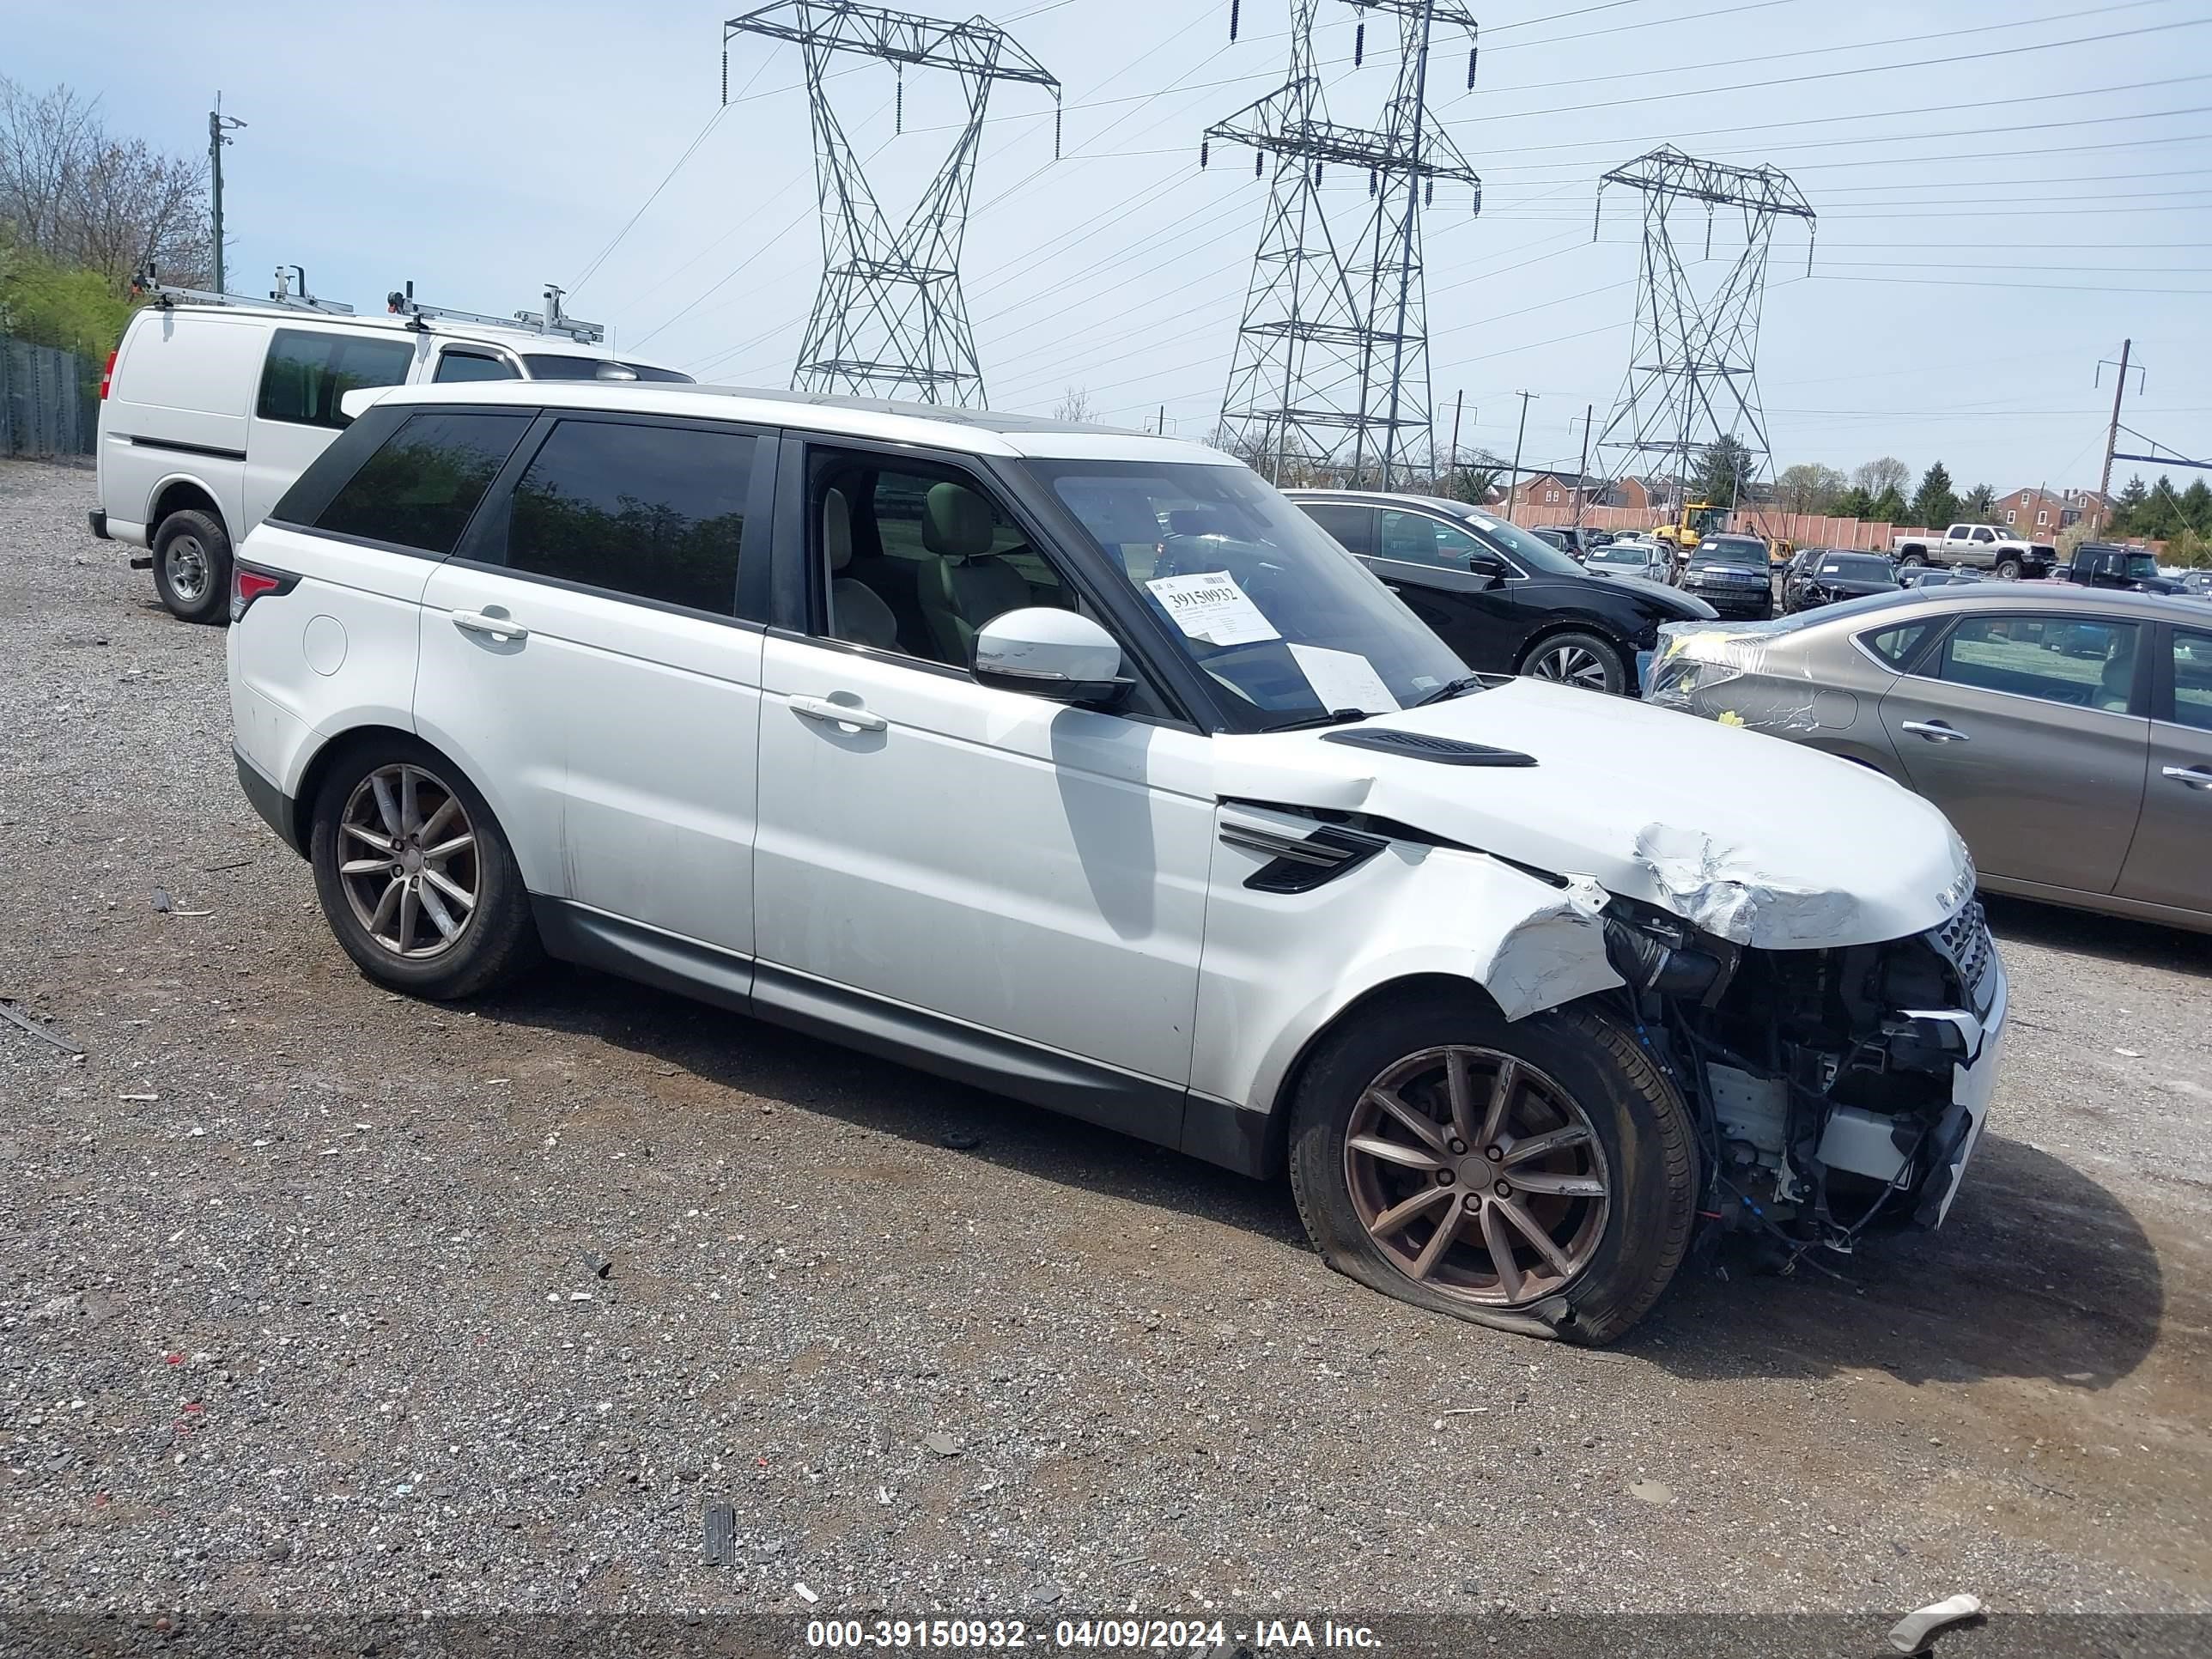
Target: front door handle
(837, 713)
(1935, 732)
(2196, 777)
(499, 628)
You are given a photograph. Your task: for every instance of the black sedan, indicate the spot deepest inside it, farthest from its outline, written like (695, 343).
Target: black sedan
(1733, 574)
(1507, 602)
(1826, 575)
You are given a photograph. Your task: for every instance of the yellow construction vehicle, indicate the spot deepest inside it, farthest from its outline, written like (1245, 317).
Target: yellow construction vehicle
(1696, 521)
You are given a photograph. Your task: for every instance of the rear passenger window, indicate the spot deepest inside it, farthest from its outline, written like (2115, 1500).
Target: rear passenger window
(1895, 645)
(473, 365)
(2085, 664)
(306, 374)
(654, 512)
(420, 487)
(2192, 679)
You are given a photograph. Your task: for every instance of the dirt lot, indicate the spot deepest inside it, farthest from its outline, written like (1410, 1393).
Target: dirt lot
(301, 1310)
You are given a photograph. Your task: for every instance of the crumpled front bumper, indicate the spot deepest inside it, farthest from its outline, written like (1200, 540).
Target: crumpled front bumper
(1972, 1084)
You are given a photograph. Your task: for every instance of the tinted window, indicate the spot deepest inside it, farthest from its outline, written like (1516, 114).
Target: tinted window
(307, 374)
(1416, 539)
(473, 365)
(1354, 527)
(1896, 645)
(2082, 663)
(652, 511)
(1732, 549)
(547, 366)
(423, 482)
(2192, 679)
(1859, 569)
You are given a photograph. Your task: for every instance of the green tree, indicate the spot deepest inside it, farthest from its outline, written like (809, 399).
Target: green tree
(2196, 506)
(1852, 503)
(2160, 515)
(2128, 504)
(49, 304)
(1980, 505)
(1473, 481)
(1933, 505)
(1888, 507)
(1724, 472)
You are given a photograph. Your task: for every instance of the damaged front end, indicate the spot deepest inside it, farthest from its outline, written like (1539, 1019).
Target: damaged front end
(1832, 1089)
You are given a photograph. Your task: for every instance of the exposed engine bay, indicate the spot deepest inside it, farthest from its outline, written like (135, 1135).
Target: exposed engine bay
(1824, 1084)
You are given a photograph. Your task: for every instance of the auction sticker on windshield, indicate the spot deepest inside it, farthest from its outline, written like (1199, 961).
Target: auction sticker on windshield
(1344, 679)
(1213, 608)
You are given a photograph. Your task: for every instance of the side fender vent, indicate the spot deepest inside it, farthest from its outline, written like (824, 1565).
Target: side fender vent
(1298, 863)
(1420, 745)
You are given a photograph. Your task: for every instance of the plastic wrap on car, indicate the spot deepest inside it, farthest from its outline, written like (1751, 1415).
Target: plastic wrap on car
(1728, 672)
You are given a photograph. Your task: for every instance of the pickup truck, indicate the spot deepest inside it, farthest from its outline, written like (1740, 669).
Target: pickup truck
(1978, 547)
(2104, 564)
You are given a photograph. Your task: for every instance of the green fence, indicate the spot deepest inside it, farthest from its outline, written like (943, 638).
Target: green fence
(49, 401)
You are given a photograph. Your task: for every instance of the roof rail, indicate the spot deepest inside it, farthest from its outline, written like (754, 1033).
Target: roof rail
(148, 282)
(401, 302)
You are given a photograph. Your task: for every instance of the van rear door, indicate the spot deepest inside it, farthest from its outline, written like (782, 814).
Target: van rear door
(176, 409)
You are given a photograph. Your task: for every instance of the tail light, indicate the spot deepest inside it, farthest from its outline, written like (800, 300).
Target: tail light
(250, 582)
(107, 374)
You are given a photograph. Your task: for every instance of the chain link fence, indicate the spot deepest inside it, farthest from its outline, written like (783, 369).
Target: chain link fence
(49, 401)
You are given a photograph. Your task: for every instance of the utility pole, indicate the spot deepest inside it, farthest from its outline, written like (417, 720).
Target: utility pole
(1581, 467)
(1459, 403)
(2120, 386)
(219, 126)
(1514, 482)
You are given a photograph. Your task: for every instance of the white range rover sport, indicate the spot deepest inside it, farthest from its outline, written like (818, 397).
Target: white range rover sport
(1078, 765)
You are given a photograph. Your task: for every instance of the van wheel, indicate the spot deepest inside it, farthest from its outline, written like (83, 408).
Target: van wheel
(1537, 1174)
(1582, 659)
(414, 877)
(192, 566)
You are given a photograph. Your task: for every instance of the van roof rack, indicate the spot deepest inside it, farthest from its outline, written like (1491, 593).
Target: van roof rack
(401, 302)
(148, 282)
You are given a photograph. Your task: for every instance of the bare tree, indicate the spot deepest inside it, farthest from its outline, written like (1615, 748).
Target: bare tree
(1074, 406)
(76, 195)
(1882, 475)
(1808, 486)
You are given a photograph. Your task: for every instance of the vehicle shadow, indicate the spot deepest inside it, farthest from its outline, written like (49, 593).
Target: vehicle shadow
(2111, 939)
(2040, 1273)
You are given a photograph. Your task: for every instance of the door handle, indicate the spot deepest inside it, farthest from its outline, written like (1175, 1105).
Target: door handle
(2196, 777)
(1935, 732)
(499, 628)
(837, 713)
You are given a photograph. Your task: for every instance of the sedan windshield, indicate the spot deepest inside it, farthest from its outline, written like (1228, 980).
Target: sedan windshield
(1635, 557)
(1860, 568)
(1291, 626)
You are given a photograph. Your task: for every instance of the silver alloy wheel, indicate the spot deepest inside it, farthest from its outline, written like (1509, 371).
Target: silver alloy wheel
(187, 561)
(1572, 665)
(1478, 1175)
(407, 859)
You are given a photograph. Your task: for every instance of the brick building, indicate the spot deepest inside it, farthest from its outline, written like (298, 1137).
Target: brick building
(2043, 512)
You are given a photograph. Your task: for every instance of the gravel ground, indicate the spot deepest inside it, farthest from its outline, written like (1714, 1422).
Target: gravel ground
(303, 1308)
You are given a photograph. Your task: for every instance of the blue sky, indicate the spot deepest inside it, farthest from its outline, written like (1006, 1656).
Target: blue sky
(1990, 226)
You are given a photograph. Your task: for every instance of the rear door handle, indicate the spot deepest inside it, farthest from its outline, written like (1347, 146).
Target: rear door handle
(837, 713)
(2196, 777)
(500, 628)
(1935, 732)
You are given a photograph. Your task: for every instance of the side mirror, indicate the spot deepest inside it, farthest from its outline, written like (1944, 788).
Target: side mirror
(1058, 654)
(1487, 563)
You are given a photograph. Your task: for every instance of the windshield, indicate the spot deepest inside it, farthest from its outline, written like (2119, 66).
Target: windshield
(1291, 625)
(1618, 555)
(1529, 552)
(549, 366)
(1730, 549)
(1859, 567)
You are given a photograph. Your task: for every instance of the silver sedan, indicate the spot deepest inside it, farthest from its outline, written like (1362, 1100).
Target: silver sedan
(2067, 733)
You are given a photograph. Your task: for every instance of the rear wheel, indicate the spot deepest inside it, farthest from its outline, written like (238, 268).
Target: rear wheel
(414, 877)
(1912, 559)
(192, 566)
(1582, 659)
(1538, 1174)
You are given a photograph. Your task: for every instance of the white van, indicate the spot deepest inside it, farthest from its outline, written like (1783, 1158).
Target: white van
(209, 408)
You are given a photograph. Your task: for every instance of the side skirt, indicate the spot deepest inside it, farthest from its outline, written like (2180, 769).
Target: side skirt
(1157, 1112)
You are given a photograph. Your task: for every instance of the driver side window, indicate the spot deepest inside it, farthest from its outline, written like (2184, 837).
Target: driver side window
(1417, 538)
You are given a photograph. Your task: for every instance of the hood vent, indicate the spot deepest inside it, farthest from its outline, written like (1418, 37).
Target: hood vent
(1420, 745)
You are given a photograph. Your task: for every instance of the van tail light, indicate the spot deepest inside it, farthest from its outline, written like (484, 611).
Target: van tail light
(250, 582)
(107, 374)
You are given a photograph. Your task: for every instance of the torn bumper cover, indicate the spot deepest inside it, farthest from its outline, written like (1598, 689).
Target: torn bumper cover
(1724, 671)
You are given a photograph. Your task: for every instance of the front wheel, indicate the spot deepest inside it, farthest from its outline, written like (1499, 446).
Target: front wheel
(414, 877)
(1582, 659)
(2008, 570)
(192, 566)
(1538, 1174)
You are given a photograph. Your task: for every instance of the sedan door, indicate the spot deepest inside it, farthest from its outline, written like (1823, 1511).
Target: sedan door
(1427, 561)
(2026, 729)
(2171, 860)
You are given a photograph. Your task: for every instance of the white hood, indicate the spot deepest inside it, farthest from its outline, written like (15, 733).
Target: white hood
(1761, 841)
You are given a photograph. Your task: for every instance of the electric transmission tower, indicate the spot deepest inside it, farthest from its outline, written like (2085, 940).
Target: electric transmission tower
(888, 319)
(1331, 370)
(1693, 366)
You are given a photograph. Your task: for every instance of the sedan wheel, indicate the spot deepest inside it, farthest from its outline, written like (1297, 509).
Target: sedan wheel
(1580, 659)
(409, 861)
(1477, 1174)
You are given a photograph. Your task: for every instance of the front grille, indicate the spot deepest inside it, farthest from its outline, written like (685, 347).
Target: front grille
(1965, 940)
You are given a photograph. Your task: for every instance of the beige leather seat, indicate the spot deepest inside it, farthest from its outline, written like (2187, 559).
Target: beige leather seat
(967, 585)
(857, 612)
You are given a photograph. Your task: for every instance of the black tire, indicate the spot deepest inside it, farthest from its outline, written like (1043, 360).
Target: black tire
(1912, 559)
(497, 941)
(1603, 656)
(1640, 1122)
(2008, 570)
(192, 566)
